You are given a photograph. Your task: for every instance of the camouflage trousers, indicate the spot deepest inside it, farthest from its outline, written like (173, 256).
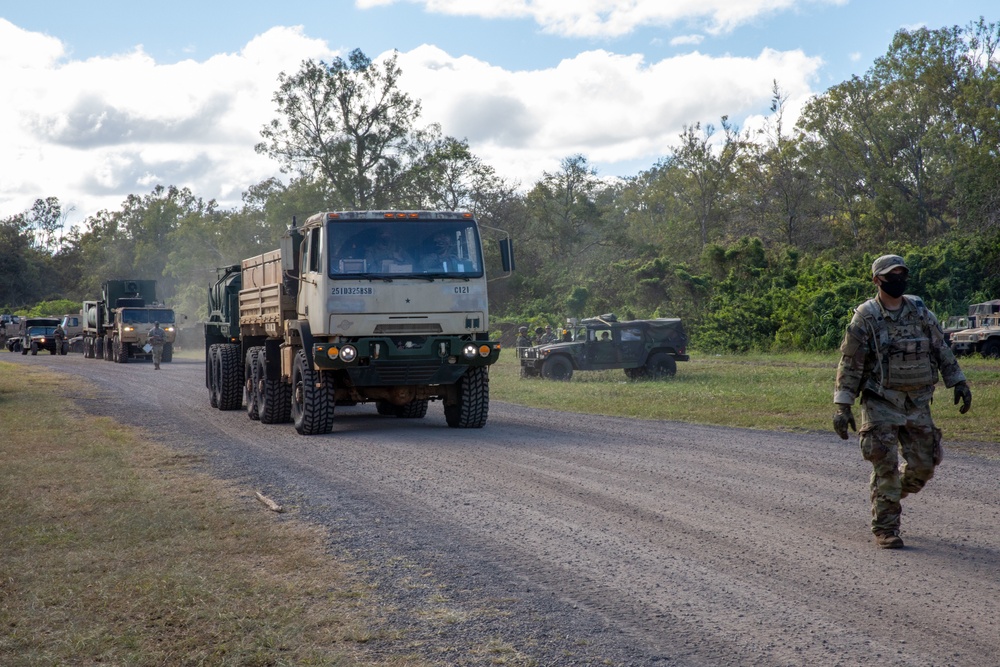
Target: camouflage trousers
(157, 354)
(887, 431)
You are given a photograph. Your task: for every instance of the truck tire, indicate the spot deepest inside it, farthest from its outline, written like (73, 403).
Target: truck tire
(991, 349)
(64, 349)
(661, 365)
(228, 377)
(108, 349)
(557, 368)
(274, 398)
(98, 344)
(415, 409)
(312, 406)
(121, 351)
(210, 361)
(34, 348)
(385, 408)
(250, 383)
(168, 353)
(473, 400)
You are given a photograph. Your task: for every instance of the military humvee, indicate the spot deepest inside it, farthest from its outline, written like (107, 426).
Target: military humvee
(643, 348)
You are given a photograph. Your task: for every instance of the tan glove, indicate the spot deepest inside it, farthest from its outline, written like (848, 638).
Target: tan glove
(843, 418)
(964, 394)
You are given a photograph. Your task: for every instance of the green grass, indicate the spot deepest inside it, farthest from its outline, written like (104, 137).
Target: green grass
(788, 392)
(116, 551)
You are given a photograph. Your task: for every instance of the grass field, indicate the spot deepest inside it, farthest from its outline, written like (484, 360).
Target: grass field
(792, 392)
(116, 551)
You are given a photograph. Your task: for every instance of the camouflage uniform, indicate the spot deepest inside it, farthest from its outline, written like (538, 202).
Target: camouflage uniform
(892, 359)
(156, 339)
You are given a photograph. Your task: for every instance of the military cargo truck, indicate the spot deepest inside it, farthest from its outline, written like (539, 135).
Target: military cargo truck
(72, 324)
(116, 326)
(642, 348)
(383, 307)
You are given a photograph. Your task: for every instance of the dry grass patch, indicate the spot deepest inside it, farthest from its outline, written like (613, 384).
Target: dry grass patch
(115, 551)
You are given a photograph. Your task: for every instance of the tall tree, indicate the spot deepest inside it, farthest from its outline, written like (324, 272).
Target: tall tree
(707, 171)
(348, 122)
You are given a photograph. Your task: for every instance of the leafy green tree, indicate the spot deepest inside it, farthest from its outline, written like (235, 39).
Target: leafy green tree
(348, 122)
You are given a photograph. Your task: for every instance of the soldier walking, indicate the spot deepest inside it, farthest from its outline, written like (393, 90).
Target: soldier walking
(156, 338)
(891, 356)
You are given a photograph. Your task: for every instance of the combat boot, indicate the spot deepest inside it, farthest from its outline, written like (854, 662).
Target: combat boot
(890, 540)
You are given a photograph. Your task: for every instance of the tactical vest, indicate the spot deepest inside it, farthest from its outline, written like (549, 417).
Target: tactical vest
(903, 355)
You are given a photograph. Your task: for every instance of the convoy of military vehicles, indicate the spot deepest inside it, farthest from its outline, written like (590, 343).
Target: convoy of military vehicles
(383, 307)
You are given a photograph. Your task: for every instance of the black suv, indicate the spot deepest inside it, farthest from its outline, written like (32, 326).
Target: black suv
(644, 348)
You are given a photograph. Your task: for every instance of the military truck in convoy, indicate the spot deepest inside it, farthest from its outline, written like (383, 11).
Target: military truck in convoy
(115, 327)
(642, 348)
(383, 307)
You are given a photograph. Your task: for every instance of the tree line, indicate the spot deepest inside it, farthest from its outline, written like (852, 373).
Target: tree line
(759, 240)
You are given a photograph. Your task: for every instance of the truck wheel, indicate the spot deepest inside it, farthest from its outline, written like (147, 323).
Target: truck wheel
(168, 353)
(210, 375)
(415, 409)
(250, 383)
(228, 378)
(385, 408)
(34, 348)
(991, 348)
(99, 348)
(274, 398)
(473, 404)
(64, 349)
(662, 365)
(312, 406)
(557, 368)
(121, 351)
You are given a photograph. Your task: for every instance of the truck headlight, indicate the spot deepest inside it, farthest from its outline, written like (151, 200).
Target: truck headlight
(129, 328)
(348, 353)
(470, 351)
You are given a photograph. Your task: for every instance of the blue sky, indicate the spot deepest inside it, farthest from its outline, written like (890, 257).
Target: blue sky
(112, 98)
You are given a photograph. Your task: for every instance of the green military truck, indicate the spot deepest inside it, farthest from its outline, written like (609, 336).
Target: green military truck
(115, 327)
(643, 348)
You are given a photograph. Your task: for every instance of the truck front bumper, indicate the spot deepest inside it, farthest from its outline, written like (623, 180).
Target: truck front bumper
(371, 362)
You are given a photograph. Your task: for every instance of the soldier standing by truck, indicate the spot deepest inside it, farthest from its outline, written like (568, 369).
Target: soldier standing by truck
(891, 355)
(156, 339)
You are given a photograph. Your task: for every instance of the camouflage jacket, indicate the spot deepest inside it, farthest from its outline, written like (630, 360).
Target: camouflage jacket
(894, 354)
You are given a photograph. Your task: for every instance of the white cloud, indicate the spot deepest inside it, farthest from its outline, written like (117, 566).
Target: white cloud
(90, 132)
(93, 131)
(613, 109)
(610, 18)
(687, 40)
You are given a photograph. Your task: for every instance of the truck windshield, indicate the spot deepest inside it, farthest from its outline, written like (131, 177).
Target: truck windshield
(146, 316)
(394, 249)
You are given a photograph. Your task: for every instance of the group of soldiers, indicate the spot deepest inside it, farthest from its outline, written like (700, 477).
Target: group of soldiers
(542, 336)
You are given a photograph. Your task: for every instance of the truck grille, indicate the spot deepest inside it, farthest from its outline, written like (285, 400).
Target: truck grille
(409, 328)
(406, 373)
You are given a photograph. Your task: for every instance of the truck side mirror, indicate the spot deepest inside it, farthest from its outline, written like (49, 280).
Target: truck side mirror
(507, 255)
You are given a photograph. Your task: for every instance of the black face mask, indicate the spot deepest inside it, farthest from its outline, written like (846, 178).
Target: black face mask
(894, 284)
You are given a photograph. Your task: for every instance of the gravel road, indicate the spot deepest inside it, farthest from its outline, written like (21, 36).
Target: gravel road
(579, 540)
